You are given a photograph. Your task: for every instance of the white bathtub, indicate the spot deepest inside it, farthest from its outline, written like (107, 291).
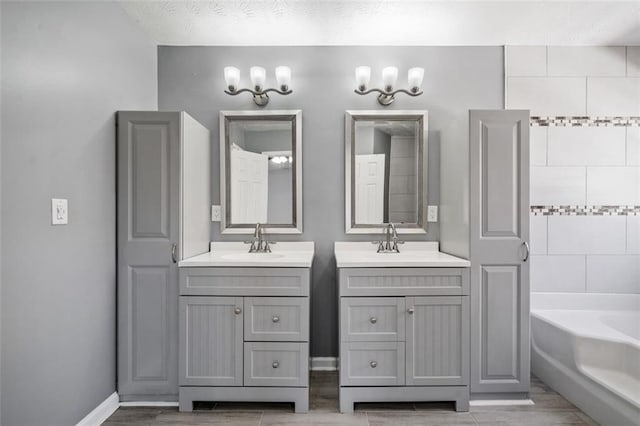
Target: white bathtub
(587, 347)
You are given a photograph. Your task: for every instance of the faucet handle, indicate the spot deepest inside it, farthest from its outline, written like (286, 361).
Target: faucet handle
(267, 245)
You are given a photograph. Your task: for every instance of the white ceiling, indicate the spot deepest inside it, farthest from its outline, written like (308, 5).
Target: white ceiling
(393, 22)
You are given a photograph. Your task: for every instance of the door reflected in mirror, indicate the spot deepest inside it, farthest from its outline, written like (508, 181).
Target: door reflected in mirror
(262, 170)
(386, 170)
(386, 181)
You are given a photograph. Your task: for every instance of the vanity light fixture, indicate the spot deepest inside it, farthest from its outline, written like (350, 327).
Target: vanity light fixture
(258, 80)
(389, 79)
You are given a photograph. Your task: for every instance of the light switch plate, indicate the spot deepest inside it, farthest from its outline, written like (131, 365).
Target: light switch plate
(215, 213)
(59, 211)
(432, 213)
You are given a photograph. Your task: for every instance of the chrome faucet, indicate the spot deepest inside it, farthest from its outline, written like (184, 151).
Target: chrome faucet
(390, 244)
(258, 243)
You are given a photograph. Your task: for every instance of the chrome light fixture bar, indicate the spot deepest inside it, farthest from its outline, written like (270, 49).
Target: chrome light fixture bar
(258, 79)
(389, 78)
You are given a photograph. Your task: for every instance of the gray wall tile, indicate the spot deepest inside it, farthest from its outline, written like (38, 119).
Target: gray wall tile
(558, 273)
(613, 274)
(577, 61)
(547, 96)
(587, 235)
(525, 61)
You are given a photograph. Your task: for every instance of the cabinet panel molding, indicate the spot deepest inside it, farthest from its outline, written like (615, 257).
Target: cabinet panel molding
(438, 340)
(276, 364)
(276, 319)
(372, 319)
(402, 282)
(372, 363)
(244, 281)
(211, 341)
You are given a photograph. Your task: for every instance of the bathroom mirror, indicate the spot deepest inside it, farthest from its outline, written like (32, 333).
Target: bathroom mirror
(261, 171)
(386, 171)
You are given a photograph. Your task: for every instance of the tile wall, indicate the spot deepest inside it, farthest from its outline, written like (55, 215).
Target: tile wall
(585, 164)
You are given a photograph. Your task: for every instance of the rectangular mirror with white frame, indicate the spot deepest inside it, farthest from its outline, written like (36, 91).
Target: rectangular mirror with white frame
(386, 171)
(261, 171)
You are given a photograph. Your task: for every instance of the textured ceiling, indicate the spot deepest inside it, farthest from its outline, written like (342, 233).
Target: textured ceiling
(378, 22)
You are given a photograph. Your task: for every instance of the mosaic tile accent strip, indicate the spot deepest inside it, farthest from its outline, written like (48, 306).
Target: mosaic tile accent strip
(584, 121)
(585, 210)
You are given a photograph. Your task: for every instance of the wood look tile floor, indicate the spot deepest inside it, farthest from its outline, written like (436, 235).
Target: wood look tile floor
(549, 409)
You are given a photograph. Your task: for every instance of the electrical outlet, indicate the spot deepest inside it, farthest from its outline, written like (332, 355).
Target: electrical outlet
(432, 213)
(59, 211)
(215, 214)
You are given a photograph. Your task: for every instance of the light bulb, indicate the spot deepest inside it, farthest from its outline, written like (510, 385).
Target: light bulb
(283, 77)
(414, 78)
(389, 78)
(363, 75)
(232, 78)
(258, 78)
(291, 159)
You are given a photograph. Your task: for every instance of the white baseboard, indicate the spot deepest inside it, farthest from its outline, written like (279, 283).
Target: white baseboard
(324, 363)
(102, 411)
(490, 402)
(149, 404)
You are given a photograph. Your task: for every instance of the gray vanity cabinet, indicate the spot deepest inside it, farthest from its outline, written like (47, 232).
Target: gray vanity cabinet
(244, 335)
(163, 174)
(412, 346)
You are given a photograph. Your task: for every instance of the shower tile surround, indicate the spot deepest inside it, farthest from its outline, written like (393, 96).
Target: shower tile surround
(585, 164)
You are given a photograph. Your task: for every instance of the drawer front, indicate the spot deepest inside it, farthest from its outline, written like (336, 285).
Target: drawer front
(244, 281)
(284, 319)
(404, 281)
(372, 319)
(276, 364)
(372, 364)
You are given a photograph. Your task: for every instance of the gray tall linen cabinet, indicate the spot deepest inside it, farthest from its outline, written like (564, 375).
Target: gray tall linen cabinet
(163, 199)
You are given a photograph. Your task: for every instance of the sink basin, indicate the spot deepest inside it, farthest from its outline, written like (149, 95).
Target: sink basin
(418, 254)
(252, 256)
(297, 254)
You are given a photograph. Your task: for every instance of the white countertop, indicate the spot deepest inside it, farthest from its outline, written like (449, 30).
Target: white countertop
(417, 254)
(236, 254)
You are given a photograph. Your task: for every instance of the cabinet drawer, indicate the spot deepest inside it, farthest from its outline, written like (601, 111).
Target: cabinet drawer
(244, 281)
(404, 281)
(276, 319)
(372, 364)
(372, 319)
(276, 364)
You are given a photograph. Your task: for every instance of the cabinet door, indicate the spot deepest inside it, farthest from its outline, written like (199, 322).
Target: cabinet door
(437, 340)
(499, 229)
(148, 212)
(211, 341)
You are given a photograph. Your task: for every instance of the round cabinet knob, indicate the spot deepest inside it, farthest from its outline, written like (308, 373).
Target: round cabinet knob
(373, 320)
(373, 364)
(275, 318)
(411, 311)
(275, 364)
(237, 311)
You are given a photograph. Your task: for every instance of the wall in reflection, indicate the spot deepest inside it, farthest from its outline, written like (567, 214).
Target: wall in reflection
(261, 172)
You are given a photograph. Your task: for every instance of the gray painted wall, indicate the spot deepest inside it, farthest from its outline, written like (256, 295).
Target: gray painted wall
(456, 79)
(66, 68)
